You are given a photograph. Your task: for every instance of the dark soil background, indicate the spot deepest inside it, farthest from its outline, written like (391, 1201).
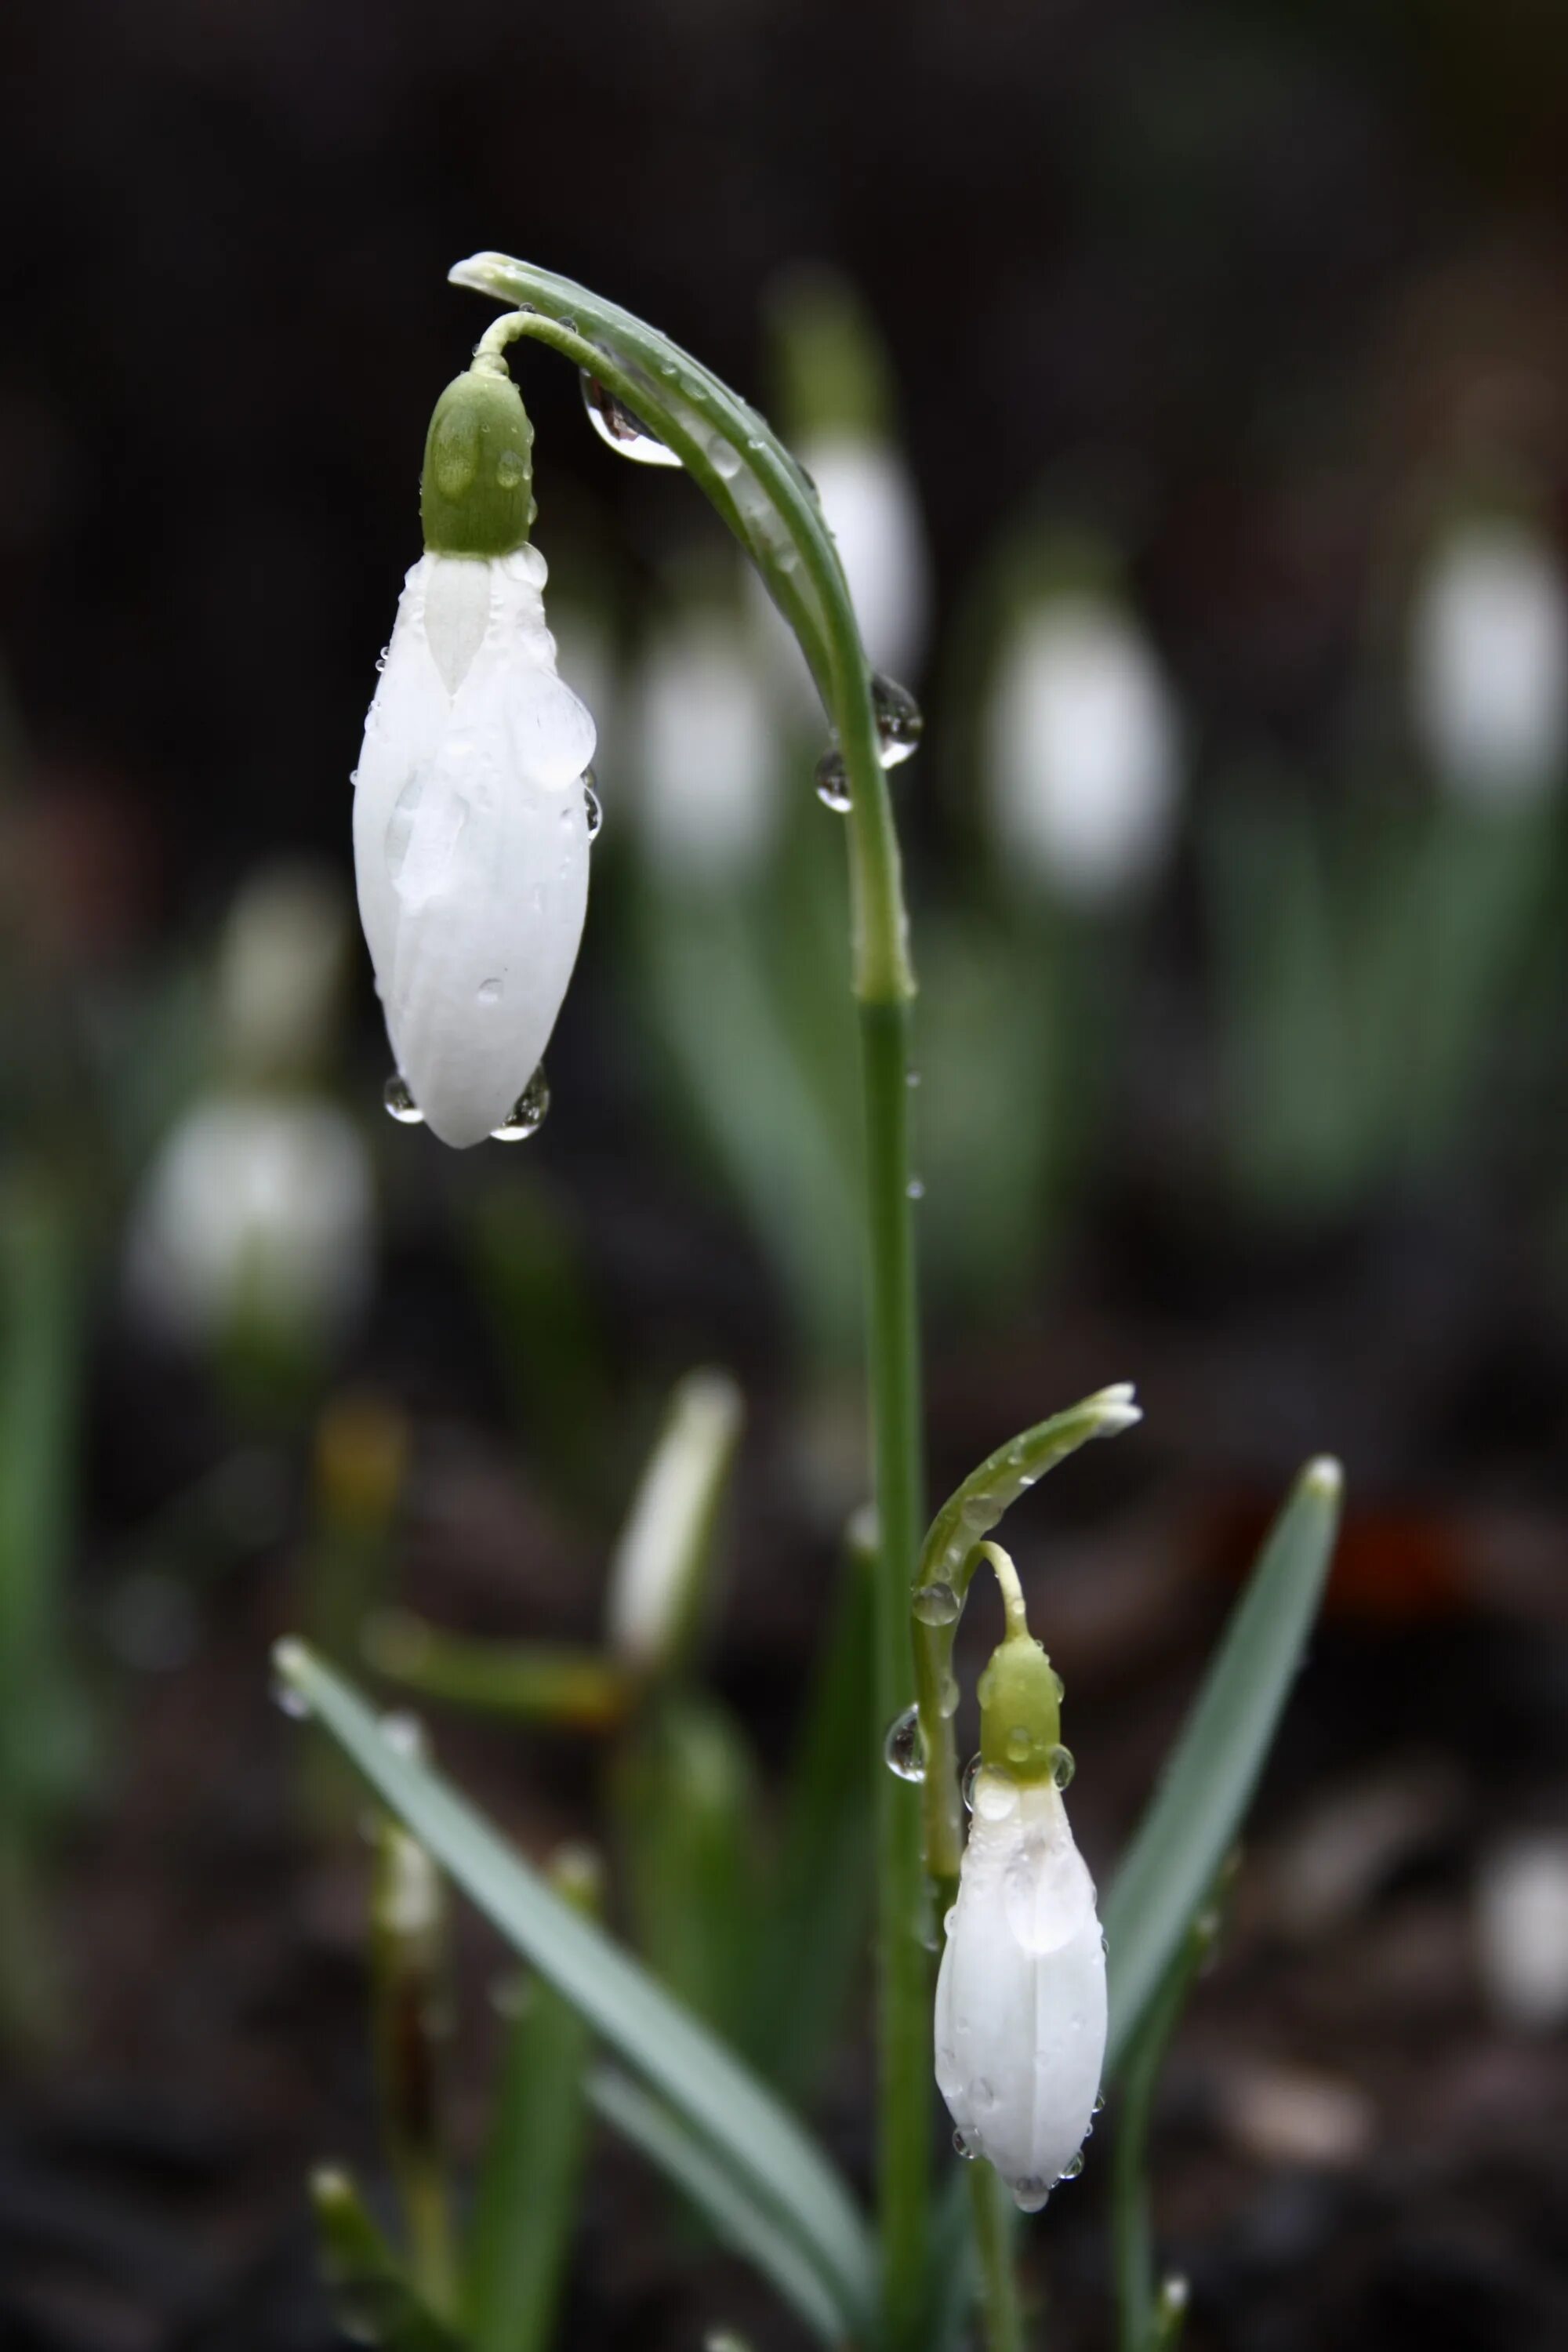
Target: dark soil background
(1232, 273)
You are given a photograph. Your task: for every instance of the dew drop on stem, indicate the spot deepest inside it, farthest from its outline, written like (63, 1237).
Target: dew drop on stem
(935, 1604)
(833, 782)
(902, 1750)
(620, 428)
(900, 720)
(527, 1114)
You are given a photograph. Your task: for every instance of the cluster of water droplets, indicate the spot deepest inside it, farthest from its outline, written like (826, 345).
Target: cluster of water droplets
(525, 1117)
(900, 726)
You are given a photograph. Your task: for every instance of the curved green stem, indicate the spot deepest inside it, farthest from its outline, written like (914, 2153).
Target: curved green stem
(761, 494)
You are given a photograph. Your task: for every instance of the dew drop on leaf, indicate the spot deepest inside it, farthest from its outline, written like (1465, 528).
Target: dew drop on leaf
(901, 1749)
(620, 428)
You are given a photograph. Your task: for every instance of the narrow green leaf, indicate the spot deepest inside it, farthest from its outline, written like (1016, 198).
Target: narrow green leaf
(408, 1992)
(684, 1786)
(702, 2175)
(1210, 1775)
(822, 1899)
(520, 2235)
(773, 2159)
(528, 1681)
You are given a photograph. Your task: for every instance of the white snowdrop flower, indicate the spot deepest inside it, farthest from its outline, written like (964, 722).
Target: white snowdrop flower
(1489, 664)
(1020, 1997)
(656, 1580)
(471, 824)
(1522, 1920)
(256, 1207)
(1083, 752)
(708, 804)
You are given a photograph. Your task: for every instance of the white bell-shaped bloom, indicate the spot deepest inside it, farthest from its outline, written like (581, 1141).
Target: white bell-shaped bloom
(708, 803)
(1083, 750)
(471, 836)
(259, 1207)
(1490, 666)
(1020, 1999)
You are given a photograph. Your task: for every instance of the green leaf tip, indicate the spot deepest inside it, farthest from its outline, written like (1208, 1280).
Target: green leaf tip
(1325, 1476)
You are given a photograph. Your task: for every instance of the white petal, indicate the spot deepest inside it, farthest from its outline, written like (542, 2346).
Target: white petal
(869, 505)
(1020, 2001)
(471, 841)
(1490, 663)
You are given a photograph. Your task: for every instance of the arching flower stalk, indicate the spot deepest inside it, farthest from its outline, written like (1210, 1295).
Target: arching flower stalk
(652, 401)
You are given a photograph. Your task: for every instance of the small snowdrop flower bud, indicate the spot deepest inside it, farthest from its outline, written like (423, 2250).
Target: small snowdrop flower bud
(1083, 749)
(708, 806)
(1020, 1997)
(1490, 666)
(471, 820)
(280, 970)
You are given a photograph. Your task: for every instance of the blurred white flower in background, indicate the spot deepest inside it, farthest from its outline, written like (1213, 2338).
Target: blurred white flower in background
(281, 966)
(1490, 663)
(870, 504)
(1082, 748)
(1521, 1922)
(256, 1210)
(706, 805)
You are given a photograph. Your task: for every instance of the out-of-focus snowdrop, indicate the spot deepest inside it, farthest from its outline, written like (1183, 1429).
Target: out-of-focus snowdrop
(836, 407)
(706, 753)
(1521, 1922)
(1020, 2019)
(472, 818)
(255, 1215)
(281, 965)
(1490, 663)
(1081, 743)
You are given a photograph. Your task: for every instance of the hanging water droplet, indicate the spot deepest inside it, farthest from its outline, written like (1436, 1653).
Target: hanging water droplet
(900, 720)
(833, 782)
(1063, 1766)
(935, 1604)
(971, 1774)
(1072, 2167)
(902, 1750)
(527, 1114)
(621, 428)
(398, 1102)
(916, 1188)
(1030, 2195)
(961, 2147)
(947, 1697)
(489, 991)
(1099, 2103)
(592, 804)
(509, 470)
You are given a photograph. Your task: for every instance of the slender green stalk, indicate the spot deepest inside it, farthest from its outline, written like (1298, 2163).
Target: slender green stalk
(993, 2251)
(1142, 2317)
(761, 494)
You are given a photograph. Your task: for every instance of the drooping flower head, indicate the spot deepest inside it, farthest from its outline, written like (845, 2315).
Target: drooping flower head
(471, 816)
(1020, 1997)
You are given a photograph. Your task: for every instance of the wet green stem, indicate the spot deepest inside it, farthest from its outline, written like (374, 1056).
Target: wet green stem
(993, 2214)
(762, 497)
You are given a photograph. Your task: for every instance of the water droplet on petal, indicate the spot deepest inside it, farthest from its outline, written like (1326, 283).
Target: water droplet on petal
(833, 782)
(398, 1102)
(971, 1774)
(527, 1114)
(900, 721)
(620, 427)
(1100, 2103)
(935, 1604)
(1072, 2167)
(1063, 1766)
(901, 1749)
(1029, 2195)
(592, 804)
(961, 2147)
(489, 991)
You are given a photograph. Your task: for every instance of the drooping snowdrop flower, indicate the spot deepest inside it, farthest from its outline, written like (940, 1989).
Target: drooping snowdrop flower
(471, 819)
(257, 1211)
(1020, 1997)
(708, 806)
(1082, 748)
(1489, 664)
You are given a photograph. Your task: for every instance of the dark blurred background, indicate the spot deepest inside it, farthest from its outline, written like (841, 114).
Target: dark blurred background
(1228, 329)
